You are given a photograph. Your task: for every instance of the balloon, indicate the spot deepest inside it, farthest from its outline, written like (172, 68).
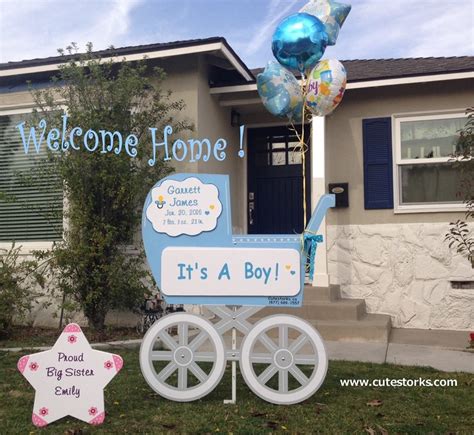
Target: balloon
(299, 42)
(327, 83)
(330, 13)
(280, 91)
(296, 114)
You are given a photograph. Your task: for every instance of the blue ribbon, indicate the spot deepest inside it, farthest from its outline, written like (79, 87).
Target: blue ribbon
(311, 243)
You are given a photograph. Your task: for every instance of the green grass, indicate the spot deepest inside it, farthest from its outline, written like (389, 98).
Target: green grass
(134, 408)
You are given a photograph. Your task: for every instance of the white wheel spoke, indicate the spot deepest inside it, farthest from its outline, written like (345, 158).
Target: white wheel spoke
(198, 341)
(268, 342)
(167, 371)
(298, 343)
(198, 372)
(182, 378)
(257, 358)
(267, 374)
(204, 357)
(299, 375)
(183, 334)
(283, 336)
(161, 355)
(306, 359)
(283, 381)
(168, 340)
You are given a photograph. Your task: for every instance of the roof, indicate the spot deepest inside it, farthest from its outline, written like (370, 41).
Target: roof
(132, 50)
(358, 70)
(122, 51)
(378, 69)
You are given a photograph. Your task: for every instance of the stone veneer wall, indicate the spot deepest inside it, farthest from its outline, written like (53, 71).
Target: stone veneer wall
(403, 270)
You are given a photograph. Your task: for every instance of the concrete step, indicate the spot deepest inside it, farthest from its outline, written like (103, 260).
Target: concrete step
(447, 339)
(342, 309)
(331, 293)
(336, 318)
(372, 327)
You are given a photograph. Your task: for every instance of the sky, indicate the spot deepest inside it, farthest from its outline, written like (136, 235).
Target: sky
(374, 29)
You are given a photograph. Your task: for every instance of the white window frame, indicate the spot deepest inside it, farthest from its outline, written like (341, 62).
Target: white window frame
(397, 162)
(27, 247)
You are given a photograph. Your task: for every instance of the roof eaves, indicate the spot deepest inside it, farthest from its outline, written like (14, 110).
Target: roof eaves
(112, 52)
(133, 50)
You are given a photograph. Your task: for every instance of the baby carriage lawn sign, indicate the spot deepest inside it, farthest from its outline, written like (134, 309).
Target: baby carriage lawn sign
(69, 379)
(190, 207)
(195, 259)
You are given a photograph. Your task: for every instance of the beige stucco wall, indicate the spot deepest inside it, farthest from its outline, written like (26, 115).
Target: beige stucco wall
(182, 80)
(344, 150)
(14, 100)
(214, 123)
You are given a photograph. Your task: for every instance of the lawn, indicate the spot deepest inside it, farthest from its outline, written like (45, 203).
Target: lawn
(134, 408)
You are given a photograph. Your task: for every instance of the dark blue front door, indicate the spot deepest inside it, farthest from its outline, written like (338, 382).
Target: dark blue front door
(275, 181)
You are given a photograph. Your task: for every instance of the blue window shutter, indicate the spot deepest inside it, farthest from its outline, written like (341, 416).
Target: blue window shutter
(378, 175)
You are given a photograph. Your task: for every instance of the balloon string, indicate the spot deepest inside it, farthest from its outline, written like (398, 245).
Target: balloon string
(302, 148)
(303, 151)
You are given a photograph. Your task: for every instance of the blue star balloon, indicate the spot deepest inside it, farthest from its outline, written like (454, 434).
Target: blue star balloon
(299, 42)
(330, 13)
(280, 92)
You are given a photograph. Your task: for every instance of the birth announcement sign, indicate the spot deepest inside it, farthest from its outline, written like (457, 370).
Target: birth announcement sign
(69, 379)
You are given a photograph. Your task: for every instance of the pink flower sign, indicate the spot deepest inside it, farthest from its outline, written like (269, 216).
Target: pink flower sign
(72, 339)
(69, 379)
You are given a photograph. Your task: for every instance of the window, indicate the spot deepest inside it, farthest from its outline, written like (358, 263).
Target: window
(424, 177)
(279, 151)
(30, 208)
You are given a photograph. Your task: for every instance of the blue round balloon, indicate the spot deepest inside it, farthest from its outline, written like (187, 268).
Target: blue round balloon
(299, 41)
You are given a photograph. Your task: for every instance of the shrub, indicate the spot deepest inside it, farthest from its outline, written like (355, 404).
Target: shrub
(105, 192)
(460, 237)
(18, 279)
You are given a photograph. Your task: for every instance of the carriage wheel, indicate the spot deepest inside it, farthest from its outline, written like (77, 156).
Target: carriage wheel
(271, 368)
(188, 367)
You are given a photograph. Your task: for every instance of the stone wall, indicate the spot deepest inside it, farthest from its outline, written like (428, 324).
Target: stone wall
(403, 270)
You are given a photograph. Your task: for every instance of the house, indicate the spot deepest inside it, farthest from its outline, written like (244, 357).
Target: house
(385, 149)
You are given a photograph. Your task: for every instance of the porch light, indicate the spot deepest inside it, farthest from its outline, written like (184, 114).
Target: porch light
(234, 118)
